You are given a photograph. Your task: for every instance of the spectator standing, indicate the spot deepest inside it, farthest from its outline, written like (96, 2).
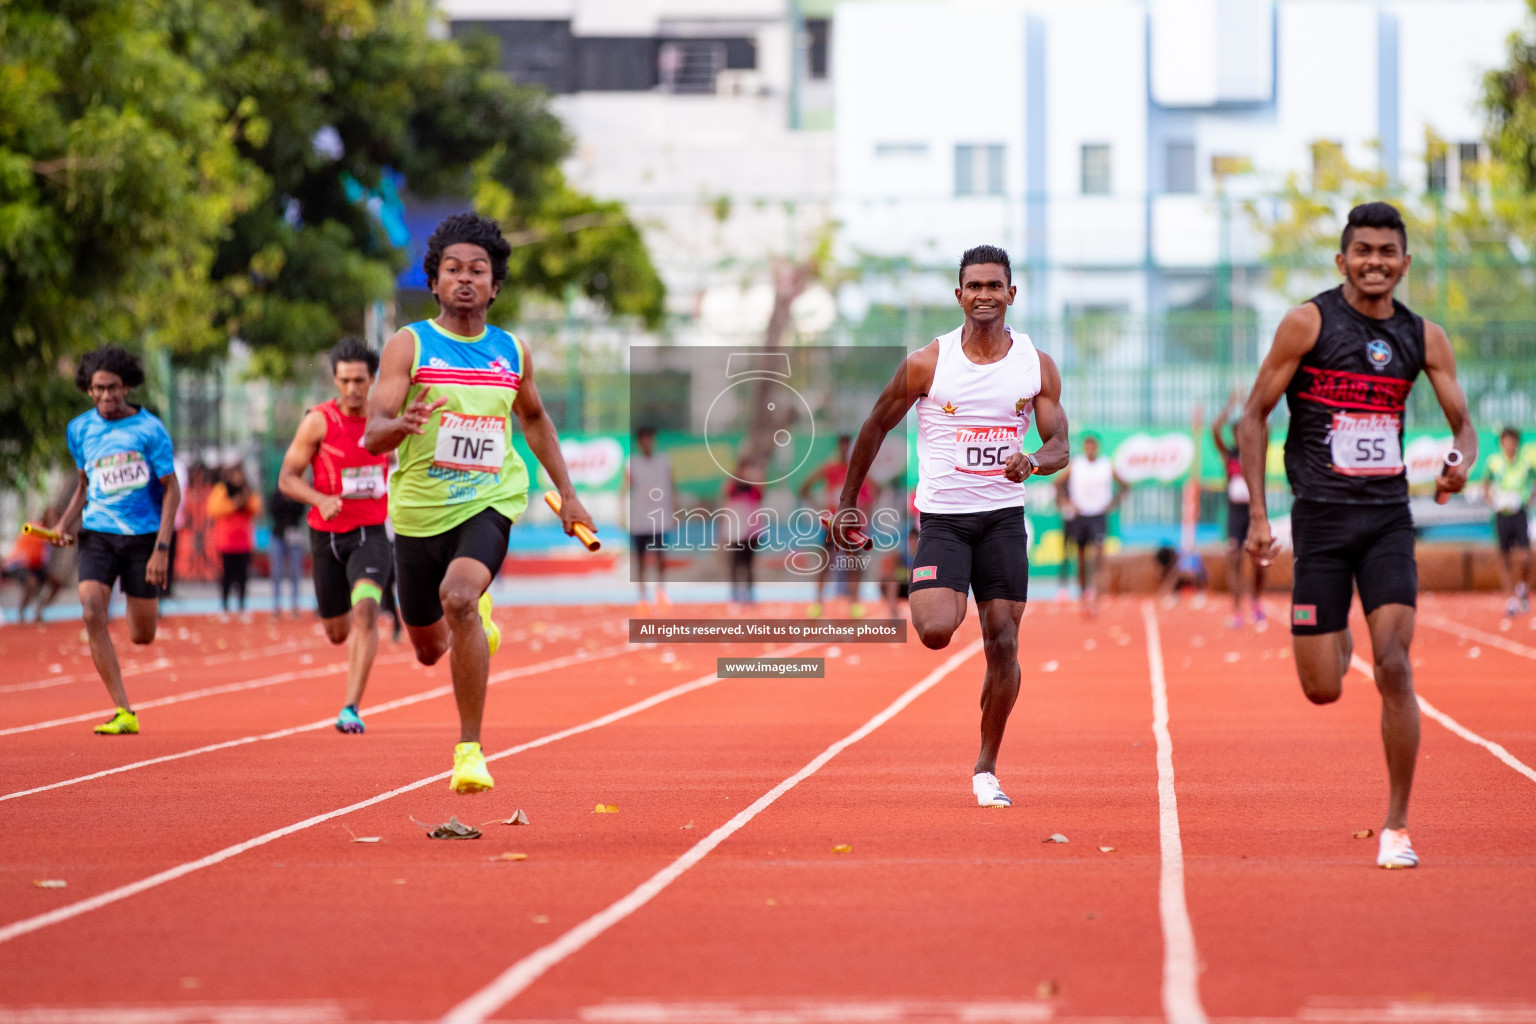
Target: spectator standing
(233, 507)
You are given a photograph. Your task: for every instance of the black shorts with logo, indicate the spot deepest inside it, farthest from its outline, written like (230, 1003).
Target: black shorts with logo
(109, 557)
(1513, 529)
(986, 553)
(343, 560)
(422, 562)
(1342, 547)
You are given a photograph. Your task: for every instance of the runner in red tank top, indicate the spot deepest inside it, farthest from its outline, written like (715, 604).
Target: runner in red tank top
(349, 503)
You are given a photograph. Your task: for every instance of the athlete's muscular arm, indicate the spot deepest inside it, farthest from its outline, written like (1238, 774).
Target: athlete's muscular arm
(912, 380)
(388, 423)
(1440, 366)
(1295, 337)
(72, 511)
(301, 452)
(1051, 420)
(539, 429)
(159, 561)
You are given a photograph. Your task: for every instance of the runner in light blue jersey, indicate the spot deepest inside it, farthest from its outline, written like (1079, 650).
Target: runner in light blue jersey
(128, 490)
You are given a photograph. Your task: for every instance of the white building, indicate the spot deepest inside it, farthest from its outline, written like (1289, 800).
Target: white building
(1108, 144)
(706, 117)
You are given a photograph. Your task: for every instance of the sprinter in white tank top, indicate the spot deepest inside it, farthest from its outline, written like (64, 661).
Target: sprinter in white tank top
(976, 391)
(1086, 495)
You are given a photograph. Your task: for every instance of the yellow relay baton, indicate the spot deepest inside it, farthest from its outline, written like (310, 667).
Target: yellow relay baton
(583, 534)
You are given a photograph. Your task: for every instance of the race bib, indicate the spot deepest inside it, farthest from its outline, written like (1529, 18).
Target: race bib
(363, 481)
(984, 451)
(121, 471)
(474, 444)
(1367, 444)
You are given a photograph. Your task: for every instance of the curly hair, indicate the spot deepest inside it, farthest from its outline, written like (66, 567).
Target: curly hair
(352, 350)
(471, 229)
(112, 359)
(982, 254)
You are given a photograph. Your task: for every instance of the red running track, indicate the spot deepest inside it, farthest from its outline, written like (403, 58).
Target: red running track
(225, 886)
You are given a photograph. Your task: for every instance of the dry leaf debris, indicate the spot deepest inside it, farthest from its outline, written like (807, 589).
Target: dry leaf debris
(1055, 837)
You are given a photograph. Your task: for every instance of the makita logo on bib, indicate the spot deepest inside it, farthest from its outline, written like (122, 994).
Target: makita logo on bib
(1369, 423)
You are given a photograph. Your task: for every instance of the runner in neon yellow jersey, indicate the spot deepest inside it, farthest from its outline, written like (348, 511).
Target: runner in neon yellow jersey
(447, 390)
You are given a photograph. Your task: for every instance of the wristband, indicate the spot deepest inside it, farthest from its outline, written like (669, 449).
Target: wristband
(160, 545)
(1034, 467)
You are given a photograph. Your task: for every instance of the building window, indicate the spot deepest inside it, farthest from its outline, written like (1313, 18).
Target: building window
(690, 65)
(1435, 171)
(818, 37)
(1469, 160)
(978, 170)
(1179, 174)
(1096, 169)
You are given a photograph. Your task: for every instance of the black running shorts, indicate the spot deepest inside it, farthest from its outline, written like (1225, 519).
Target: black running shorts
(984, 552)
(343, 560)
(1237, 521)
(422, 562)
(1342, 547)
(1512, 529)
(1085, 530)
(109, 557)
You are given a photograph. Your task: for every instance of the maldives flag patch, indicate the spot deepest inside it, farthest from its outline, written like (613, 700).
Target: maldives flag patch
(1303, 614)
(925, 572)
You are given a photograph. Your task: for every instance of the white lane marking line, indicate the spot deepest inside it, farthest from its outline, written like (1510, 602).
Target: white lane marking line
(816, 1011)
(515, 979)
(1364, 668)
(437, 691)
(1181, 964)
(122, 892)
(1455, 628)
(1421, 1013)
(211, 691)
(164, 661)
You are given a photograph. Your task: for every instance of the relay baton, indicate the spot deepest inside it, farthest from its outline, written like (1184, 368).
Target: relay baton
(1452, 460)
(583, 534)
(855, 536)
(40, 531)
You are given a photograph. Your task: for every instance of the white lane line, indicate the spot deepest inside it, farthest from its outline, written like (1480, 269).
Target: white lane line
(159, 663)
(1181, 964)
(277, 734)
(1455, 628)
(31, 924)
(327, 1012)
(211, 691)
(515, 979)
(1364, 668)
(815, 1011)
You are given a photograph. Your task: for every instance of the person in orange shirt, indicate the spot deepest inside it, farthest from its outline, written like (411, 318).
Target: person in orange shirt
(233, 505)
(27, 564)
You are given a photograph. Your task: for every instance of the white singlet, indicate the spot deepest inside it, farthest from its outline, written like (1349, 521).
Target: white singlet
(970, 422)
(1091, 485)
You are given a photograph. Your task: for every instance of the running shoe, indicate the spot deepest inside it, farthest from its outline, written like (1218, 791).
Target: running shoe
(492, 631)
(122, 723)
(856, 610)
(1510, 608)
(349, 720)
(988, 792)
(1260, 620)
(470, 775)
(813, 611)
(1524, 595)
(1395, 850)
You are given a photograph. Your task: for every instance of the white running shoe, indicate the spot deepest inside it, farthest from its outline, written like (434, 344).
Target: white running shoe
(1395, 850)
(988, 792)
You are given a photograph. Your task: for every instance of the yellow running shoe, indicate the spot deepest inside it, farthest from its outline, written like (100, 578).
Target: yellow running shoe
(122, 723)
(492, 631)
(470, 775)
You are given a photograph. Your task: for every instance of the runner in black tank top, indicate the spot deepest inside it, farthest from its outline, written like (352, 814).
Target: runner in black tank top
(1346, 362)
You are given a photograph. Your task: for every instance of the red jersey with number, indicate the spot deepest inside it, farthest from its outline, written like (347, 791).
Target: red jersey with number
(1347, 399)
(343, 466)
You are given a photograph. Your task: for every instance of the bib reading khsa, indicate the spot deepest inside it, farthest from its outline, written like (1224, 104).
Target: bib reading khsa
(1366, 444)
(122, 471)
(474, 444)
(984, 451)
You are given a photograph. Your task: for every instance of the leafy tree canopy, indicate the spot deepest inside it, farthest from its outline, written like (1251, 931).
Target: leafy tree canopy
(175, 173)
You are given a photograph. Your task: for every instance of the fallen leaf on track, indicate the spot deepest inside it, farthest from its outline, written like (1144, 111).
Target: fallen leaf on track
(689, 825)
(511, 856)
(1046, 989)
(1055, 837)
(606, 809)
(50, 883)
(453, 828)
(1106, 849)
(540, 919)
(517, 819)
(842, 848)
(1050, 666)
(1365, 833)
(367, 839)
